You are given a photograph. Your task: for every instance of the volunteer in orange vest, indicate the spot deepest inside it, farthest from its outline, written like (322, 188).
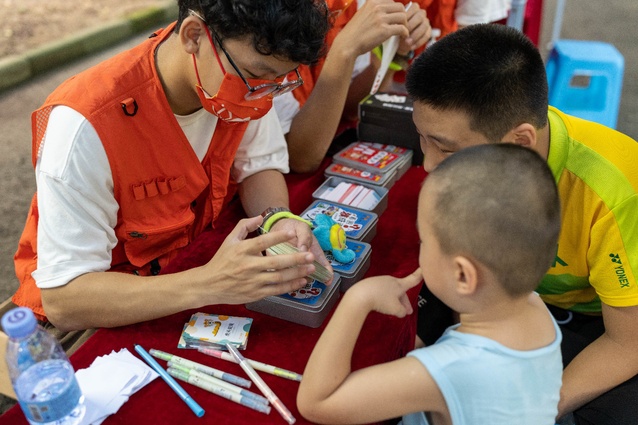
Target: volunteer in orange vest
(135, 156)
(337, 84)
(345, 76)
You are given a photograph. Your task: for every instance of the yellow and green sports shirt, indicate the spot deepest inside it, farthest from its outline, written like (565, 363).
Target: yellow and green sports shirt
(596, 170)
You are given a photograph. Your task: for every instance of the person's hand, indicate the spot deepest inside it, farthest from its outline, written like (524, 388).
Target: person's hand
(419, 29)
(305, 240)
(374, 23)
(387, 294)
(240, 273)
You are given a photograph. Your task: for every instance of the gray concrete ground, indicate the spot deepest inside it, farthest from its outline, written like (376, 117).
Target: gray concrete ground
(612, 21)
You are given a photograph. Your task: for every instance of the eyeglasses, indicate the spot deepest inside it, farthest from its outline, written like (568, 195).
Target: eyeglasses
(273, 89)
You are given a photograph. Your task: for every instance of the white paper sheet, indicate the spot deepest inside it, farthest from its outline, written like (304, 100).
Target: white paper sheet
(109, 382)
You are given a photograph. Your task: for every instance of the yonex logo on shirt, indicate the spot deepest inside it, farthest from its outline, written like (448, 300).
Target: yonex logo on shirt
(620, 271)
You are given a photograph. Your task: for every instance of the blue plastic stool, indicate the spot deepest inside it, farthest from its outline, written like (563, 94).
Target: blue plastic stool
(585, 79)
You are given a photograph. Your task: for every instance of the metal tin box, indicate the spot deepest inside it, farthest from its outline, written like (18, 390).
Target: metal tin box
(373, 157)
(358, 224)
(405, 165)
(353, 272)
(307, 306)
(332, 182)
(361, 176)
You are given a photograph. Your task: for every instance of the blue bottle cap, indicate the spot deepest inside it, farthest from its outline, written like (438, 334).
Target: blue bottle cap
(19, 322)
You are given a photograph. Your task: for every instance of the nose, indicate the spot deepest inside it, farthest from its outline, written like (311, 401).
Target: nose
(431, 157)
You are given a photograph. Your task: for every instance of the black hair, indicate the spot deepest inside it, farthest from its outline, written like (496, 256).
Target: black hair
(293, 30)
(491, 72)
(498, 204)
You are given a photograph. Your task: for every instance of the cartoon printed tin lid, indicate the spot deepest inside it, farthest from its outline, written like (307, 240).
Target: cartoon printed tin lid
(356, 223)
(362, 251)
(311, 297)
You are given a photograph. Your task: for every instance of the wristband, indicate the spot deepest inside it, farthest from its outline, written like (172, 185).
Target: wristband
(271, 218)
(394, 66)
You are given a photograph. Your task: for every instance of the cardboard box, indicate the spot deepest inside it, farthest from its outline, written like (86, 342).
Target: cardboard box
(387, 118)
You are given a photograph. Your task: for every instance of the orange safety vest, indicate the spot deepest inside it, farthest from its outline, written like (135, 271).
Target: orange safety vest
(439, 12)
(165, 194)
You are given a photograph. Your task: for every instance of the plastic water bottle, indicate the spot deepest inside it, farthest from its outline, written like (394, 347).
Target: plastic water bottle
(42, 377)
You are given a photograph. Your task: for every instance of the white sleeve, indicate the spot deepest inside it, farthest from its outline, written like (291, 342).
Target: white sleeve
(263, 147)
(287, 108)
(470, 12)
(77, 209)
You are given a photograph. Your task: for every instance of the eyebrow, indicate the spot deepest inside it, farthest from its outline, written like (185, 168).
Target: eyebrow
(442, 140)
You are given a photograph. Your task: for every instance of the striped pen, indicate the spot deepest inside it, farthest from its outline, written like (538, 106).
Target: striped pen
(206, 382)
(262, 367)
(219, 374)
(222, 384)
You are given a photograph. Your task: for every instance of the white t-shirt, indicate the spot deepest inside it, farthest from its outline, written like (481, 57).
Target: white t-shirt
(470, 12)
(74, 184)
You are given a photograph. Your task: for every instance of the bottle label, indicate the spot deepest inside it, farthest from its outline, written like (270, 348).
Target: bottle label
(52, 408)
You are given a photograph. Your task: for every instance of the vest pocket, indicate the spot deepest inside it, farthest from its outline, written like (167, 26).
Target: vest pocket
(144, 243)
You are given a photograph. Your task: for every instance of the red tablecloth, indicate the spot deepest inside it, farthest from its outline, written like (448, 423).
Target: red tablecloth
(273, 341)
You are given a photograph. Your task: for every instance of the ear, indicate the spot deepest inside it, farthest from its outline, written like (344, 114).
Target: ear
(466, 276)
(523, 135)
(191, 33)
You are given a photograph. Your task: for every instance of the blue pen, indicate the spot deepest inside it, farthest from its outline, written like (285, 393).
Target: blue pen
(196, 408)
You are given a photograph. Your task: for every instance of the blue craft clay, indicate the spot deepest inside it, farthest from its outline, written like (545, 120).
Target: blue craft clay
(332, 238)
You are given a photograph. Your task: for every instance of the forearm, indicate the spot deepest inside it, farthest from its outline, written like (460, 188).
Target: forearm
(263, 190)
(314, 127)
(330, 362)
(109, 299)
(601, 366)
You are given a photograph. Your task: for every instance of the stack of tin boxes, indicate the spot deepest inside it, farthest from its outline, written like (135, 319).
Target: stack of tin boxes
(359, 168)
(360, 175)
(360, 227)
